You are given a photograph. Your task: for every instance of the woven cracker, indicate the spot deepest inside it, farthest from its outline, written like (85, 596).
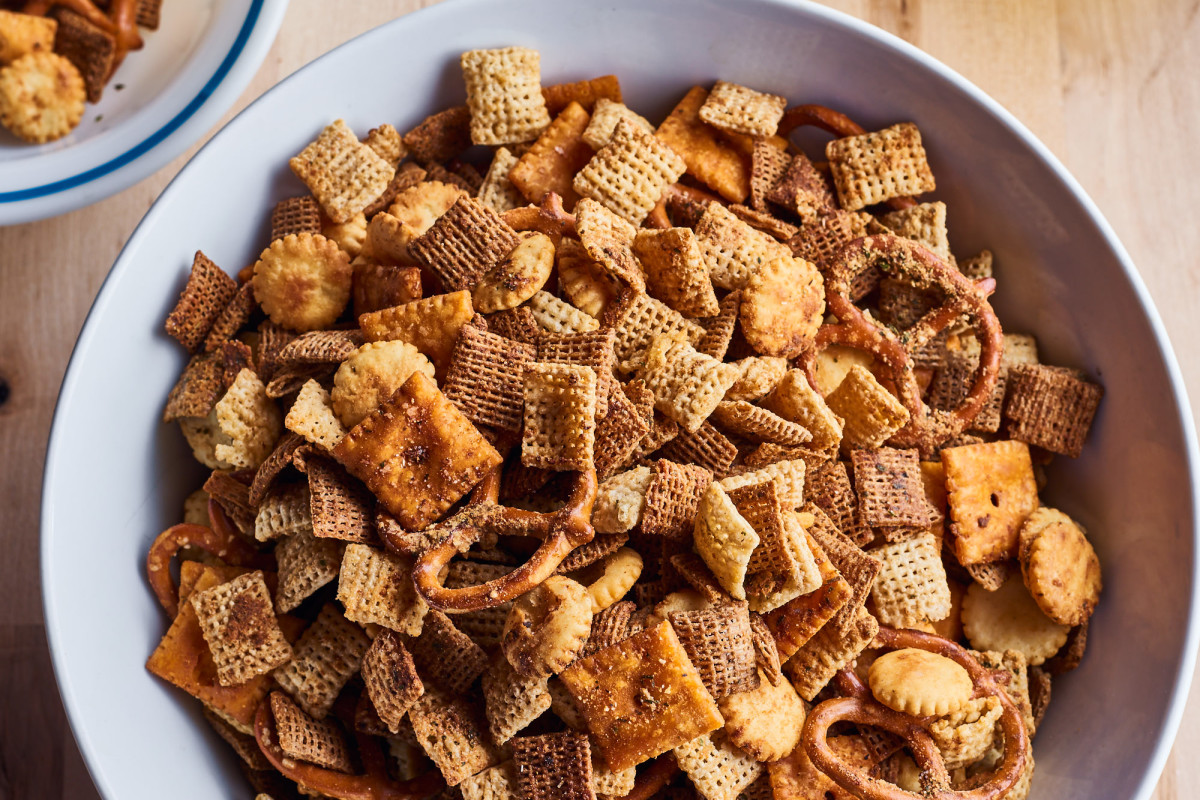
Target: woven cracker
(232, 318)
(375, 587)
(343, 174)
(498, 192)
(22, 34)
(454, 735)
(629, 174)
(771, 565)
(464, 243)
(878, 166)
(768, 164)
(598, 549)
(966, 735)
(822, 238)
(496, 783)
(687, 385)
(605, 116)
(706, 152)
(911, 586)
(977, 266)
(341, 508)
(592, 349)
(485, 378)
(954, 381)
(517, 324)
(724, 539)
(758, 424)
(326, 656)
(607, 239)
(788, 477)
(550, 163)
(619, 433)
(554, 765)
(829, 488)
(512, 702)
(463, 176)
(699, 577)
(799, 572)
(582, 281)
(766, 650)
(608, 784)
(208, 291)
(303, 738)
(924, 223)
(295, 215)
(639, 318)
(312, 418)
(445, 656)
(890, 488)
(675, 271)
(720, 644)
(485, 627)
(318, 348)
(761, 221)
(707, 447)
(901, 304)
(556, 316)
(673, 497)
(718, 769)
(249, 423)
(504, 93)
(736, 108)
(872, 414)
(609, 627)
(239, 625)
(991, 576)
(991, 490)
(306, 563)
(641, 697)
(731, 249)
(431, 324)
(91, 49)
(560, 417)
(1051, 407)
(387, 143)
(803, 190)
(441, 136)
(198, 389)
(719, 329)
(149, 14)
(282, 512)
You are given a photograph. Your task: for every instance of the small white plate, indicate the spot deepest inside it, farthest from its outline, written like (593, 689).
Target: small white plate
(162, 99)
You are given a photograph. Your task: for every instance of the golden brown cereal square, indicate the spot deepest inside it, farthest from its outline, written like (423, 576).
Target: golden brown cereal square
(878, 166)
(838, 643)
(872, 414)
(430, 324)
(588, 349)
(607, 239)
(311, 415)
(198, 389)
(719, 329)
(149, 14)
(306, 563)
(924, 223)
(641, 697)
(708, 157)
(504, 93)
(630, 173)
(303, 738)
(732, 250)
(1051, 407)
(760, 374)
(619, 432)
(687, 385)
(991, 490)
(724, 539)
(586, 92)
(911, 586)
(736, 108)
(757, 424)
(638, 318)
(498, 191)
(717, 768)
(766, 650)
(282, 512)
(609, 626)
(764, 222)
(795, 399)
(342, 173)
(560, 417)
(977, 266)
(22, 34)
(605, 116)
(376, 587)
(890, 489)
(707, 447)
(417, 453)
(485, 379)
(719, 643)
(673, 498)
(557, 316)
(511, 701)
(441, 136)
(453, 734)
(788, 477)
(675, 271)
(768, 164)
(238, 622)
(803, 190)
(495, 783)
(464, 243)
(517, 324)
(550, 163)
(325, 658)
(445, 655)
(553, 766)
(771, 563)
(232, 318)
(340, 507)
(90, 48)
(208, 291)
(319, 348)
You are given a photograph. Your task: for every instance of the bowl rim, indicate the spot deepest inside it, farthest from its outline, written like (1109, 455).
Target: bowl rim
(1185, 668)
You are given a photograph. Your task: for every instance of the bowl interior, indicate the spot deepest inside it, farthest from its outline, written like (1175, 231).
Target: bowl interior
(116, 476)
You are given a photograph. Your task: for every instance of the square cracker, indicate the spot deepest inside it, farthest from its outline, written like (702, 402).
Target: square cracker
(736, 108)
(878, 166)
(343, 174)
(872, 414)
(376, 587)
(452, 732)
(687, 385)
(207, 293)
(511, 701)
(891, 491)
(559, 316)
(550, 163)
(629, 175)
(430, 324)
(326, 657)
(991, 490)
(239, 624)
(641, 697)
(637, 318)
(732, 250)
(446, 656)
(417, 453)
(339, 506)
(586, 92)
(504, 93)
(320, 742)
(560, 417)
(391, 679)
(708, 156)
(605, 116)
(306, 563)
(608, 238)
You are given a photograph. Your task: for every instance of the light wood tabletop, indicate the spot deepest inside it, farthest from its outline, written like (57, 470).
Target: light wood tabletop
(1109, 85)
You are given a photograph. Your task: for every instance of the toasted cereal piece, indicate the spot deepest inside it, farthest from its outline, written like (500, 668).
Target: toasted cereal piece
(992, 575)
(370, 375)
(504, 93)
(687, 385)
(245, 745)
(924, 223)
(620, 500)
(550, 163)
(878, 166)
(230, 491)
(303, 738)
(441, 136)
(410, 215)
(706, 153)
(991, 490)
(618, 572)
(446, 656)
(966, 735)
(977, 266)
(516, 277)
(408, 175)
(387, 144)
(341, 508)
(804, 190)
(240, 627)
(374, 587)
(207, 293)
(311, 417)
(498, 192)
(758, 424)
(718, 769)
(22, 34)
(149, 14)
(517, 324)
(464, 244)
(765, 223)
(485, 378)
(621, 431)
(512, 702)
(431, 324)
(952, 384)
(344, 174)
(911, 586)
(803, 578)
(454, 735)
(195, 508)
(796, 622)
(760, 374)
(719, 329)
(417, 453)
(495, 783)
(766, 650)
(318, 348)
(554, 765)
(1070, 655)
(608, 238)
(835, 645)
(585, 283)
(890, 488)
(592, 349)
(1051, 407)
(724, 539)
(202, 436)
(641, 697)
(735, 108)
(41, 96)
(281, 512)
(90, 48)
(231, 320)
(1009, 619)
(608, 784)
(609, 626)
(639, 318)
(732, 250)
(325, 658)
(675, 271)
(556, 316)
(547, 627)
(249, 420)
(672, 498)
(391, 678)
(306, 563)
(783, 304)
(707, 447)
(872, 413)
(771, 564)
(719, 642)
(766, 721)
(560, 416)
(605, 116)
(302, 281)
(586, 92)
(768, 165)
(198, 389)
(1059, 566)
(920, 683)
(629, 174)
(788, 477)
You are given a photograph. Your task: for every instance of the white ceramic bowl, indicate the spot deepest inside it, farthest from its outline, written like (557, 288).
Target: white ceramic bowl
(115, 476)
(173, 90)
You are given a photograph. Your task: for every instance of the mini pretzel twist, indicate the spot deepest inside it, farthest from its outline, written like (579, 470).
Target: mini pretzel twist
(927, 428)
(561, 532)
(861, 708)
(120, 22)
(548, 217)
(373, 784)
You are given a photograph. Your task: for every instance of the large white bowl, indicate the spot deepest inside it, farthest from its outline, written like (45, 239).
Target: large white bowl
(115, 476)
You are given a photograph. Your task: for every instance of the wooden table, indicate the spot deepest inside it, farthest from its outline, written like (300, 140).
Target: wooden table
(1109, 85)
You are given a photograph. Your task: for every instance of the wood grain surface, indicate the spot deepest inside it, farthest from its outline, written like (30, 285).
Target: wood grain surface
(1110, 85)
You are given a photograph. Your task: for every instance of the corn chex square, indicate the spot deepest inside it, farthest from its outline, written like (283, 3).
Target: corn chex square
(605, 116)
(638, 318)
(590, 349)
(376, 587)
(878, 166)
(736, 108)
(504, 93)
(687, 385)
(872, 414)
(238, 621)
(924, 223)
(306, 563)
(630, 173)
(325, 658)
(608, 240)
(732, 250)
(911, 587)
(495, 783)
(343, 174)
(498, 192)
(511, 701)
(717, 768)
(560, 417)
(558, 316)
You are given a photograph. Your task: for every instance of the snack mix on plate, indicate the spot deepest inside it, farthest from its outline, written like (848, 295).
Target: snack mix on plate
(57, 54)
(628, 464)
